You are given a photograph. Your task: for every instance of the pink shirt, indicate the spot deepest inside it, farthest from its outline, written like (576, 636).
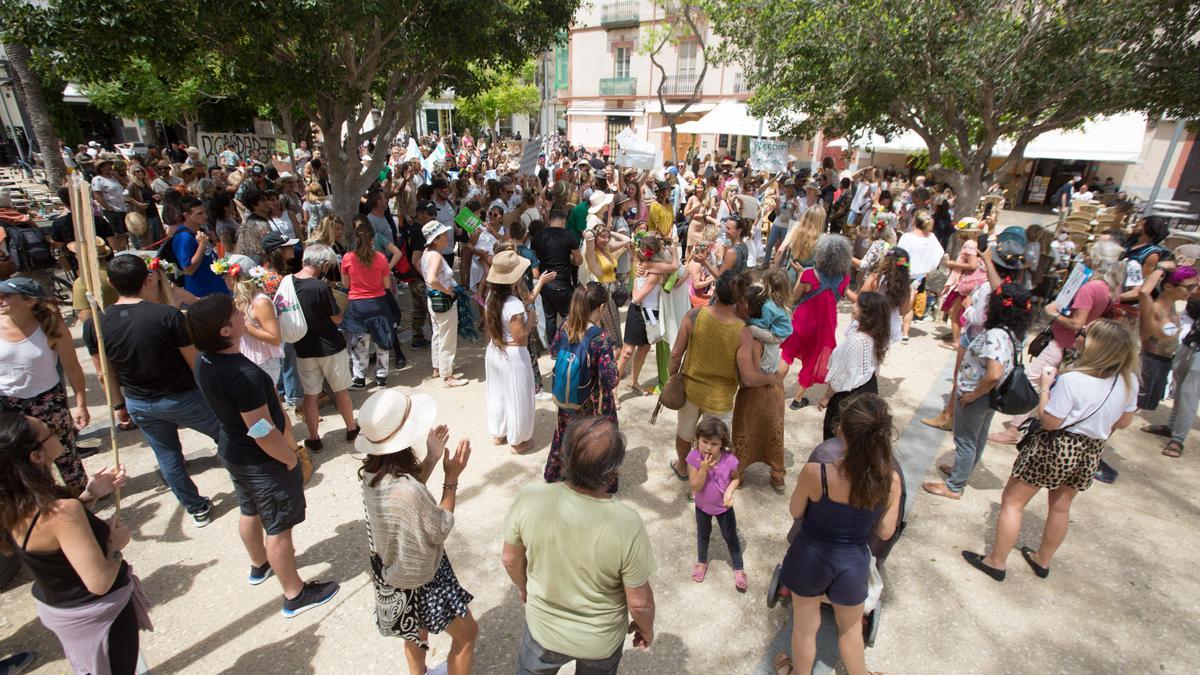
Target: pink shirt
(711, 498)
(365, 282)
(1093, 298)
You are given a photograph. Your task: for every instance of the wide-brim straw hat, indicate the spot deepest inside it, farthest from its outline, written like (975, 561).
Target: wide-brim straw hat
(102, 249)
(507, 268)
(136, 223)
(598, 200)
(393, 421)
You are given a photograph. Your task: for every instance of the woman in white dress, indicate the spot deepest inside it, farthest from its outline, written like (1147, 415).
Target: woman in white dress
(507, 319)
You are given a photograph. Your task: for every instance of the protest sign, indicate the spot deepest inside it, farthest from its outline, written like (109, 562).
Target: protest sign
(1079, 276)
(529, 160)
(468, 220)
(247, 146)
(633, 151)
(768, 155)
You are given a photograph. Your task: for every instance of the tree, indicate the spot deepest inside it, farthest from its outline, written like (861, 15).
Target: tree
(29, 88)
(672, 32)
(963, 74)
(507, 93)
(140, 89)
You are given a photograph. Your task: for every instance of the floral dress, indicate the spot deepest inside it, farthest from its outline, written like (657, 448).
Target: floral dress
(602, 401)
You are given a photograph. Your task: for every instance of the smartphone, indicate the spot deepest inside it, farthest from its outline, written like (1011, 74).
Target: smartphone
(983, 242)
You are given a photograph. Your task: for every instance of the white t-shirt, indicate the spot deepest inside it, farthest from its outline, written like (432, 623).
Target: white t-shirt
(512, 307)
(1075, 396)
(924, 253)
(114, 193)
(485, 244)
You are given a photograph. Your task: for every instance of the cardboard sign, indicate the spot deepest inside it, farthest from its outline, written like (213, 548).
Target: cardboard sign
(468, 220)
(245, 145)
(1079, 276)
(634, 152)
(768, 155)
(529, 159)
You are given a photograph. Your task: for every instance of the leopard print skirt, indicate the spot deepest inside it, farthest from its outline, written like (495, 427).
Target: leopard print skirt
(1052, 459)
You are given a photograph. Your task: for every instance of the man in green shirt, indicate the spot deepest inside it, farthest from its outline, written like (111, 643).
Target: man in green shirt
(577, 218)
(580, 559)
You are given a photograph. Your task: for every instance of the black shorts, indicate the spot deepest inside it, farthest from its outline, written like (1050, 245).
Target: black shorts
(116, 224)
(271, 492)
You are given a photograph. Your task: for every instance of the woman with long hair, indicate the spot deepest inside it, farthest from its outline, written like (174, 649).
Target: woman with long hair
(223, 217)
(890, 278)
(331, 232)
(601, 249)
(317, 207)
(987, 362)
(263, 341)
(814, 319)
(407, 529)
(736, 254)
(507, 320)
(34, 341)
(1078, 411)
(854, 363)
(841, 503)
(85, 592)
(797, 250)
(368, 316)
(584, 323)
(643, 314)
(925, 255)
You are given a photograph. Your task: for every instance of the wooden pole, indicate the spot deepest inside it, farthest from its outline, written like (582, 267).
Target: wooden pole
(89, 271)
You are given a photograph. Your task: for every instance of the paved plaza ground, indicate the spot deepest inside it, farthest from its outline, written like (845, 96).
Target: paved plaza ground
(1120, 598)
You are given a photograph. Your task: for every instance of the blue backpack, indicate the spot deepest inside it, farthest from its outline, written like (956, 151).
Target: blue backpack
(573, 379)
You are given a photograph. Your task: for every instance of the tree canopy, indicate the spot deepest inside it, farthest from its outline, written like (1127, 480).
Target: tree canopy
(506, 92)
(963, 74)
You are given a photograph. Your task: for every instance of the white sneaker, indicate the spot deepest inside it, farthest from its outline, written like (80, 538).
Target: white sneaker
(541, 396)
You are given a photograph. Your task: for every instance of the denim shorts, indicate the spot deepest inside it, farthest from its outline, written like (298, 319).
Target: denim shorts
(271, 492)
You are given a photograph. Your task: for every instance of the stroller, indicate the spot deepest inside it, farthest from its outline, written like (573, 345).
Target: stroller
(826, 453)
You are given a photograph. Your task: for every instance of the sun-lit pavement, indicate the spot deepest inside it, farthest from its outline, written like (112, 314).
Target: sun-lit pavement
(1119, 598)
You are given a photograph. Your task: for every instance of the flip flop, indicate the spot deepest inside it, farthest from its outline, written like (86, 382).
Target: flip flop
(127, 426)
(676, 471)
(698, 572)
(1027, 554)
(939, 488)
(1157, 430)
(740, 582)
(783, 664)
(1174, 449)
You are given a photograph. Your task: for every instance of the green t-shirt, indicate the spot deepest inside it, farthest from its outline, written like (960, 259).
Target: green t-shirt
(79, 302)
(577, 218)
(582, 552)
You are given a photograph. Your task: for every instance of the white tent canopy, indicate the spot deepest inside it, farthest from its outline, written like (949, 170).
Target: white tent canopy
(1116, 139)
(726, 118)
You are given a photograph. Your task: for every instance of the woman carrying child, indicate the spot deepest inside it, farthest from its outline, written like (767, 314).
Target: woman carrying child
(712, 476)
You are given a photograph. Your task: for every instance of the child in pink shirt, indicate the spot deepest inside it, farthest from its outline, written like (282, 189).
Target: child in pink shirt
(711, 467)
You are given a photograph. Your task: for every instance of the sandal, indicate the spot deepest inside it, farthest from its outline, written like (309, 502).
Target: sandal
(783, 664)
(1157, 430)
(740, 582)
(1174, 449)
(640, 391)
(1027, 554)
(698, 572)
(127, 426)
(939, 488)
(453, 382)
(674, 470)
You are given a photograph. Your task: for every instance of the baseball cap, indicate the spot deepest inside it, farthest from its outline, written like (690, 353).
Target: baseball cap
(257, 170)
(274, 240)
(23, 286)
(427, 207)
(440, 183)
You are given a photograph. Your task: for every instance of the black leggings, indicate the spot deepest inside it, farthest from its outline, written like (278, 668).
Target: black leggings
(728, 524)
(833, 411)
(123, 642)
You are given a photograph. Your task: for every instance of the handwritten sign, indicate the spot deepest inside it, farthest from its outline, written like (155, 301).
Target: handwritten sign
(468, 220)
(245, 145)
(530, 157)
(768, 155)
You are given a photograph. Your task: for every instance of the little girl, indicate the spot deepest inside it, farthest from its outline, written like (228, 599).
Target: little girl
(711, 467)
(966, 274)
(770, 320)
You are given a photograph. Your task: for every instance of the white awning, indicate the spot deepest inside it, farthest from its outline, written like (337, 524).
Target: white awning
(604, 112)
(1117, 139)
(71, 94)
(676, 107)
(726, 118)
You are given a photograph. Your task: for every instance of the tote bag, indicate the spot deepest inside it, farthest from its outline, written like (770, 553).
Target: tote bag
(292, 324)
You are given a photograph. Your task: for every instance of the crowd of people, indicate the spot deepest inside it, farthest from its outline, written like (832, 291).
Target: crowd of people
(238, 302)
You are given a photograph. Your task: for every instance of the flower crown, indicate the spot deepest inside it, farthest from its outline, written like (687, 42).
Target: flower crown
(166, 267)
(222, 267)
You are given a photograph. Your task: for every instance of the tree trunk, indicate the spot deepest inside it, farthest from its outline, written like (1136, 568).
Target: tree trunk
(674, 140)
(29, 87)
(289, 130)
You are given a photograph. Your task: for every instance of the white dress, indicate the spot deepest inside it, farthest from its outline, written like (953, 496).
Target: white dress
(510, 402)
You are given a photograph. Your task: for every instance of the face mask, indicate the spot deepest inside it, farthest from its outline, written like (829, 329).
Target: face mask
(1063, 236)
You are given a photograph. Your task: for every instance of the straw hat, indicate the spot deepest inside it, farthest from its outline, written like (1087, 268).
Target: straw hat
(102, 249)
(393, 421)
(598, 201)
(136, 223)
(507, 268)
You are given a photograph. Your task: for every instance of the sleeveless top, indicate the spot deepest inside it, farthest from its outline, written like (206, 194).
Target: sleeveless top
(1165, 344)
(28, 368)
(710, 365)
(649, 302)
(608, 267)
(445, 275)
(255, 349)
(835, 523)
(55, 581)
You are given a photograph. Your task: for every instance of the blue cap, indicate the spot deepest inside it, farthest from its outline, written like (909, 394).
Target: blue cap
(23, 286)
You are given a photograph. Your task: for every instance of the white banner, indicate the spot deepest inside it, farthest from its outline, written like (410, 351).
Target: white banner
(768, 155)
(634, 152)
(1079, 276)
(247, 146)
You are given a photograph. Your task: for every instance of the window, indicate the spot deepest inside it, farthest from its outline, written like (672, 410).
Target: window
(685, 66)
(621, 62)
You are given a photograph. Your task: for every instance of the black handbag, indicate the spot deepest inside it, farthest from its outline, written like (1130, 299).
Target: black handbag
(1038, 344)
(1015, 395)
(439, 301)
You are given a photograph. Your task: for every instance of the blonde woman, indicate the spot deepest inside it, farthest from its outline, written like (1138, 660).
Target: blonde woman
(797, 249)
(1078, 412)
(316, 207)
(330, 231)
(263, 342)
(601, 249)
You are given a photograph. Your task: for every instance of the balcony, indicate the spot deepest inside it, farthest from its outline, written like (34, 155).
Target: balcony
(679, 85)
(619, 14)
(618, 86)
(739, 84)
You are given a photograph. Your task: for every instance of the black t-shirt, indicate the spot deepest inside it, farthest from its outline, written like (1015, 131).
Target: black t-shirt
(232, 385)
(62, 230)
(142, 341)
(553, 247)
(323, 337)
(411, 241)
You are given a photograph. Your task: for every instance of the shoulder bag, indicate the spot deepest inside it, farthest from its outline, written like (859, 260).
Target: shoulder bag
(1034, 433)
(1015, 395)
(673, 394)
